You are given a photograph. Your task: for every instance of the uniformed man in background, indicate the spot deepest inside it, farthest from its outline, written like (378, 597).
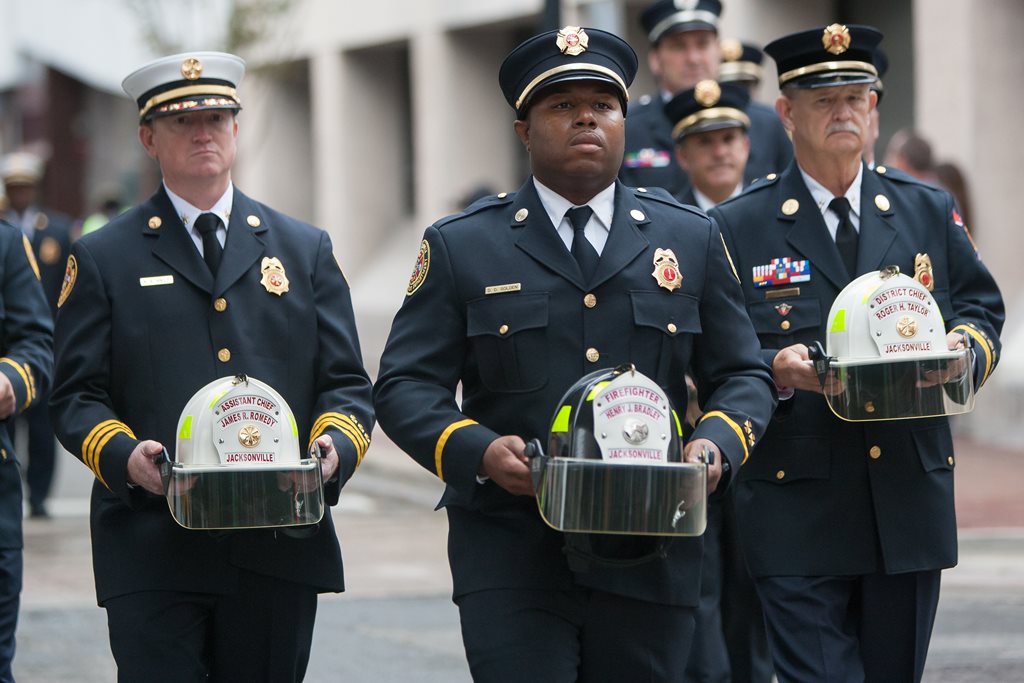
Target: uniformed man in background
(50, 234)
(198, 283)
(516, 299)
(26, 362)
(741, 64)
(846, 525)
(709, 124)
(684, 50)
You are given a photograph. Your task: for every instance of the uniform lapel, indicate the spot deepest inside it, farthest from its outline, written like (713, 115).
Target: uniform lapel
(625, 242)
(173, 245)
(539, 238)
(808, 233)
(244, 244)
(877, 231)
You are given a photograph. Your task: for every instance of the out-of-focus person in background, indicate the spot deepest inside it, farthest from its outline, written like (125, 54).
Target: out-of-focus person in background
(49, 233)
(951, 178)
(109, 207)
(911, 153)
(741, 63)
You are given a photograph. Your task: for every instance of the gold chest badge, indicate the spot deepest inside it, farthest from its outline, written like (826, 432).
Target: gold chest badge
(666, 269)
(274, 279)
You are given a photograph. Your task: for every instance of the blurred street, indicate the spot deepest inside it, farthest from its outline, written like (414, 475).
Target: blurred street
(397, 622)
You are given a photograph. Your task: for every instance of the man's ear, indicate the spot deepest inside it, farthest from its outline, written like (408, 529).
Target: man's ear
(146, 138)
(681, 158)
(522, 129)
(784, 108)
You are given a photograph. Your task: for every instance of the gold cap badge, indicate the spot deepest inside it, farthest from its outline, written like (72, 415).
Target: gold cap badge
(923, 271)
(836, 39)
(707, 93)
(666, 269)
(191, 69)
(732, 50)
(274, 279)
(572, 40)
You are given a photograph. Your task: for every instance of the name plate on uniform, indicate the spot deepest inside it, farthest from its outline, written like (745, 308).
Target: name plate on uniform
(632, 420)
(156, 280)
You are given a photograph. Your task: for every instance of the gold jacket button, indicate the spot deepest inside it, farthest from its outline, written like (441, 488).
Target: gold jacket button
(590, 301)
(875, 452)
(220, 305)
(593, 355)
(3, 453)
(869, 407)
(951, 461)
(671, 327)
(503, 329)
(253, 221)
(785, 324)
(155, 223)
(781, 474)
(224, 355)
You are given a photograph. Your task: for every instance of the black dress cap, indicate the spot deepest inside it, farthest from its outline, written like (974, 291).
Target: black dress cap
(822, 57)
(675, 16)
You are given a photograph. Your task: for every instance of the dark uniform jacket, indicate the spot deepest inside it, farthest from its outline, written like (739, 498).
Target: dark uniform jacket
(650, 158)
(822, 496)
(517, 350)
(143, 326)
(51, 242)
(26, 359)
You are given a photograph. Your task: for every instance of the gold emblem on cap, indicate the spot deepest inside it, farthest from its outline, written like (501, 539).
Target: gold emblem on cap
(521, 215)
(155, 222)
(707, 93)
(836, 39)
(42, 221)
(274, 279)
(732, 50)
(191, 69)
(906, 326)
(882, 202)
(253, 221)
(666, 269)
(790, 206)
(249, 436)
(923, 271)
(572, 40)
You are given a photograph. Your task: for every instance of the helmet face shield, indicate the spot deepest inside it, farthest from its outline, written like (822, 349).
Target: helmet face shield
(615, 462)
(238, 464)
(888, 358)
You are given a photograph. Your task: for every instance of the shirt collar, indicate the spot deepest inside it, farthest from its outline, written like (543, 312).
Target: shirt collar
(822, 197)
(603, 204)
(704, 202)
(188, 213)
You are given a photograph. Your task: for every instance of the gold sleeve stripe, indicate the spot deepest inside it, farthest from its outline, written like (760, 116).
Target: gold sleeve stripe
(735, 427)
(338, 420)
(983, 343)
(445, 435)
(729, 256)
(24, 378)
(96, 441)
(358, 440)
(31, 380)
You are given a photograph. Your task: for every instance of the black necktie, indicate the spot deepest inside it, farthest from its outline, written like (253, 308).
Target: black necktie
(846, 235)
(207, 224)
(582, 250)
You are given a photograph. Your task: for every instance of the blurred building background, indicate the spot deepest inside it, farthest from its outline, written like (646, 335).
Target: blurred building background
(372, 120)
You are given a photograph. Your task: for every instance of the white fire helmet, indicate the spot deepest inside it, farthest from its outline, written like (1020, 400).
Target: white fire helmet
(238, 462)
(887, 353)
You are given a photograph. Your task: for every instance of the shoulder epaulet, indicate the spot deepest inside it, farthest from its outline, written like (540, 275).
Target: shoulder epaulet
(488, 202)
(663, 196)
(899, 176)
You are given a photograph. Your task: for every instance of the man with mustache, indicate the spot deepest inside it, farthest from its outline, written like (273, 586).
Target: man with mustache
(198, 283)
(846, 526)
(516, 299)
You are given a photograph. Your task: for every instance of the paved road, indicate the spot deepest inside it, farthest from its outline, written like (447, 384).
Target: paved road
(397, 623)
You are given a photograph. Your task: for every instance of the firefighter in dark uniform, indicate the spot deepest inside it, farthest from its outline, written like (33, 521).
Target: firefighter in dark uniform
(517, 298)
(684, 49)
(709, 124)
(741, 64)
(50, 234)
(198, 283)
(846, 526)
(26, 362)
